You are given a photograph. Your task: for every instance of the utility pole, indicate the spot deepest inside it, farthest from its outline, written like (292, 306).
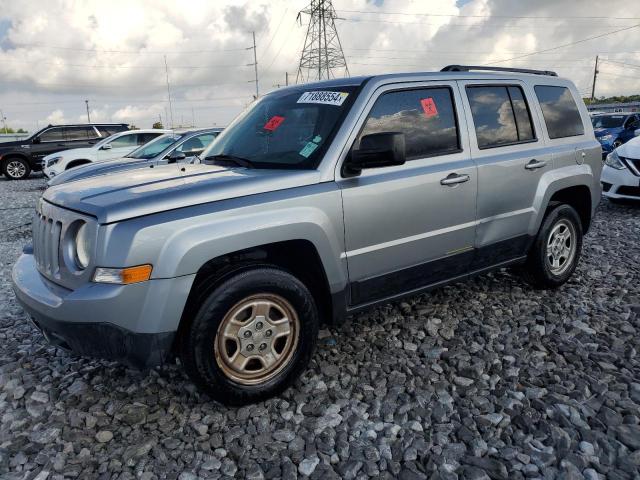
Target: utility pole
(595, 76)
(322, 55)
(193, 117)
(286, 79)
(4, 121)
(166, 69)
(255, 63)
(88, 116)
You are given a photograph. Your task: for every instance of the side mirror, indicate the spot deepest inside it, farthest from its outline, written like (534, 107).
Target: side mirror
(377, 150)
(106, 146)
(36, 140)
(175, 157)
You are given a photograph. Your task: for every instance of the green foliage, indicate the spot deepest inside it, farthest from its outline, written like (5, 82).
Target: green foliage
(615, 99)
(11, 130)
(158, 126)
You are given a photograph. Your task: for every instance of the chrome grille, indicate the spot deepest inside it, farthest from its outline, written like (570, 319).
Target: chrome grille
(46, 244)
(51, 226)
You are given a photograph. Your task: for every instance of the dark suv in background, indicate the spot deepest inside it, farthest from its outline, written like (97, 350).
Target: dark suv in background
(19, 158)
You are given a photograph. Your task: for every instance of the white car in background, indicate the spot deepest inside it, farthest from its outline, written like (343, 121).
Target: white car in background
(621, 172)
(115, 146)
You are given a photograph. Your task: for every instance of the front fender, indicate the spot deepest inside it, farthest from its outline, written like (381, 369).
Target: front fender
(180, 242)
(559, 179)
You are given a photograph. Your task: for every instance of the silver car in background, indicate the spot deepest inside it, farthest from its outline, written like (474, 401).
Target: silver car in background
(178, 147)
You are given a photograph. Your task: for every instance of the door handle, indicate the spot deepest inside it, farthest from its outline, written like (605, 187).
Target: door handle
(454, 179)
(535, 164)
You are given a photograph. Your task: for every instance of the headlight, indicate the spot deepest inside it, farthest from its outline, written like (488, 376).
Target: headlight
(53, 161)
(83, 247)
(613, 161)
(606, 138)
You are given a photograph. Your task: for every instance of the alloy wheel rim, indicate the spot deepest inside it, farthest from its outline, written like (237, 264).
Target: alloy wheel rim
(257, 338)
(561, 247)
(16, 169)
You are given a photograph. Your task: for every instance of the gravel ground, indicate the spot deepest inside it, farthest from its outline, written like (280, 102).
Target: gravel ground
(487, 379)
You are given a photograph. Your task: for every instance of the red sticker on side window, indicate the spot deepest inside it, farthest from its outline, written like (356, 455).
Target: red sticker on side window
(273, 123)
(429, 107)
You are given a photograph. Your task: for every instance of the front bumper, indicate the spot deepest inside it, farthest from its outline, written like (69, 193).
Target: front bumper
(133, 324)
(620, 184)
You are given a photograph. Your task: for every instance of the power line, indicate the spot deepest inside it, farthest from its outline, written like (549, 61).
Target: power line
(275, 33)
(564, 45)
(460, 25)
(573, 17)
(148, 67)
(621, 63)
(131, 52)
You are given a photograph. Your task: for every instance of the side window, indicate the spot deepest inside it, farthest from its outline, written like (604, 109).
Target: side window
(196, 145)
(426, 117)
(501, 115)
(146, 137)
(107, 131)
(633, 122)
(124, 141)
(79, 133)
(560, 111)
(52, 135)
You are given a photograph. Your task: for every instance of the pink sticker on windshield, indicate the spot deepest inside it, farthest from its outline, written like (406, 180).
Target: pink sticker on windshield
(273, 123)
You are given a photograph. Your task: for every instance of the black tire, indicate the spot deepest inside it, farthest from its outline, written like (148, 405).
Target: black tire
(16, 168)
(199, 352)
(538, 270)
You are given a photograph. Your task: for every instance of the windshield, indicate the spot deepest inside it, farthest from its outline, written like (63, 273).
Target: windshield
(608, 121)
(289, 129)
(155, 147)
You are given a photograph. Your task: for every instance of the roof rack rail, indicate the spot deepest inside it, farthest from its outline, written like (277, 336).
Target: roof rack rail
(468, 68)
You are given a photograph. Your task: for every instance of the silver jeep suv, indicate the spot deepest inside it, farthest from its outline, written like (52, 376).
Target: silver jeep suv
(318, 201)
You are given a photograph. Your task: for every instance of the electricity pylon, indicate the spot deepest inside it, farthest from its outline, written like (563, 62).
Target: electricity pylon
(322, 56)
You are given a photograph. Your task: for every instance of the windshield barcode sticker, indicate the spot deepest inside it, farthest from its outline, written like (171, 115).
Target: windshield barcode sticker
(324, 98)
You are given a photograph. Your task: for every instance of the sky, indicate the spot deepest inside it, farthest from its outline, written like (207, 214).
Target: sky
(55, 54)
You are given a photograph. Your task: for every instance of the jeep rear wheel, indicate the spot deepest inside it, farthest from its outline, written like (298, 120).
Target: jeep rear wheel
(555, 253)
(252, 337)
(16, 168)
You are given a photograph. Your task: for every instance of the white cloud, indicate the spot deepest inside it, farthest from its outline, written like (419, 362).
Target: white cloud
(111, 52)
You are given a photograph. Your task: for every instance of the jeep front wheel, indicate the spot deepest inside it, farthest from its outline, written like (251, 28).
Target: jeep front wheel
(16, 169)
(252, 337)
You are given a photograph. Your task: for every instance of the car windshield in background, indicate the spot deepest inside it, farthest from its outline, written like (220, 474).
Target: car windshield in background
(155, 147)
(284, 129)
(608, 121)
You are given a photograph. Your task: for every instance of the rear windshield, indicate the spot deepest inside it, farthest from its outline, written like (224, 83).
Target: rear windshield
(289, 129)
(608, 121)
(155, 147)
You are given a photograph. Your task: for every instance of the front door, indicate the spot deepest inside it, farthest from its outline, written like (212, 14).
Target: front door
(411, 225)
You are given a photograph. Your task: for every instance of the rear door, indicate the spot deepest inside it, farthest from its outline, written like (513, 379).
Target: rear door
(509, 151)
(411, 225)
(80, 137)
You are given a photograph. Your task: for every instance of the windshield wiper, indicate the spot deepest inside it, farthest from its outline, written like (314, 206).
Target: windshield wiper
(223, 158)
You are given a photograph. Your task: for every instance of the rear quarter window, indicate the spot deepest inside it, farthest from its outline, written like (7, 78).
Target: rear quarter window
(560, 112)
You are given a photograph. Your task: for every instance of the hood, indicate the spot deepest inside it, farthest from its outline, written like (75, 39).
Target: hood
(607, 131)
(93, 169)
(631, 149)
(73, 153)
(13, 143)
(117, 197)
